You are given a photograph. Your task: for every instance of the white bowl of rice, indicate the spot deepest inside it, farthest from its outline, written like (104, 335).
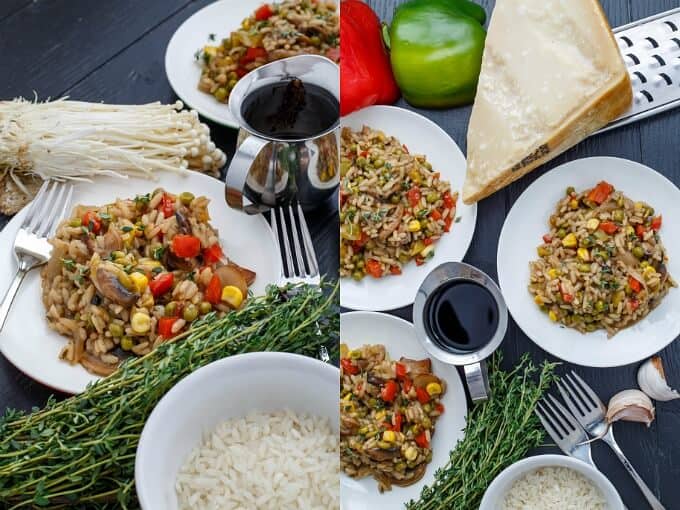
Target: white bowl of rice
(257, 430)
(551, 482)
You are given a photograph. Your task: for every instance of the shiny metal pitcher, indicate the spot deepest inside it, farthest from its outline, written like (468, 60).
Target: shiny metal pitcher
(474, 361)
(266, 171)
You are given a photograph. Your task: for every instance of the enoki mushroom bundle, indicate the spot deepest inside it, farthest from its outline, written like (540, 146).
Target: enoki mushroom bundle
(77, 140)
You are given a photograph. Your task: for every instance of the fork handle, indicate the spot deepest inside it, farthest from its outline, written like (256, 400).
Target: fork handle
(10, 294)
(651, 498)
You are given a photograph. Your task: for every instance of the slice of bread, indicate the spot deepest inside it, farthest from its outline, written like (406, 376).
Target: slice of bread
(552, 74)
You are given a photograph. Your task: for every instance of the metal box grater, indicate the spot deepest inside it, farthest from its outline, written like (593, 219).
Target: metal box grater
(651, 50)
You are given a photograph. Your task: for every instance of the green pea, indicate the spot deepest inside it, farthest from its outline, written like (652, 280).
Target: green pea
(599, 306)
(186, 197)
(639, 251)
(562, 233)
(571, 190)
(115, 329)
(171, 309)
(361, 161)
(358, 275)
(378, 163)
(432, 197)
(126, 343)
(221, 94)
(190, 312)
(618, 215)
(395, 199)
(586, 242)
(204, 307)
(75, 222)
(361, 264)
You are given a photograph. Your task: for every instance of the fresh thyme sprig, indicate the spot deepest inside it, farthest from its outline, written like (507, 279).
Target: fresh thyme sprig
(80, 452)
(498, 432)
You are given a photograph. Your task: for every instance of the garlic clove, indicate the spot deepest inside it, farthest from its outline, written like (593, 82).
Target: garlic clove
(630, 405)
(652, 380)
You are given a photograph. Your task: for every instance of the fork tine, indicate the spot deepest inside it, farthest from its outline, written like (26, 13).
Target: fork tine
(597, 401)
(286, 242)
(275, 229)
(567, 415)
(58, 210)
(309, 246)
(547, 422)
(557, 420)
(45, 207)
(302, 271)
(35, 204)
(572, 402)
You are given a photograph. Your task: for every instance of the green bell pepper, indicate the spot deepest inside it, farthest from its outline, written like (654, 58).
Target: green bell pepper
(436, 51)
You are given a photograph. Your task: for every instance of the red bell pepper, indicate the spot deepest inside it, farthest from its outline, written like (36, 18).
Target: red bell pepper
(389, 391)
(186, 246)
(608, 227)
(92, 222)
(423, 395)
(161, 284)
(365, 71)
(400, 370)
(348, 367)
(167, 205)
(601, 192)
(263, 12)
(421, 440)
(165, 325)
(213, 293)
(213, 254)
(656, 222)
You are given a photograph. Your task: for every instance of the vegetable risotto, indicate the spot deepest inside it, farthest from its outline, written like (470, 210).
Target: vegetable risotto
(387, 414)
(602, 265)
(129, 275)
(274, 31)
(393, 205)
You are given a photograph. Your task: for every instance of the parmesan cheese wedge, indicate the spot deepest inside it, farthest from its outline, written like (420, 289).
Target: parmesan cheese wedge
(551, 75)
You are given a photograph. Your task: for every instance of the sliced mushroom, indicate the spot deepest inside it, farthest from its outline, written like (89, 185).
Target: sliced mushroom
(348, 425)
(417, 367)
(422, 380)
(97, 366)
(380, 455)
(247, 274)
(107, 278)
(230, 275)
(182, 223)
(417, 474)
(111, 241)
(173, 262)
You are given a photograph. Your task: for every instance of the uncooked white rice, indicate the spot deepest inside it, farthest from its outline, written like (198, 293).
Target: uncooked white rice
(278, 460)
(554, 488)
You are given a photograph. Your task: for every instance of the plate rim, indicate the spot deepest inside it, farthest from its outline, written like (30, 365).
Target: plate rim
(405, 323)
(16, 218)
(404, 301)
(512, 306)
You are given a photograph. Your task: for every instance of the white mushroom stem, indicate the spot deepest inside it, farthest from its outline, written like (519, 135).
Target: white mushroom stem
(630, 405)
(652, 380)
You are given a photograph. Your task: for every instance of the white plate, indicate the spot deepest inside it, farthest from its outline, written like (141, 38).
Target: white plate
(399, 338)
(34, 349)
(421, 136)
(183, 71)
(521, 234)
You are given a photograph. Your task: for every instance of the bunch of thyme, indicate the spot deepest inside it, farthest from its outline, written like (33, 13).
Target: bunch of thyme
(80, 452)
(499, 432)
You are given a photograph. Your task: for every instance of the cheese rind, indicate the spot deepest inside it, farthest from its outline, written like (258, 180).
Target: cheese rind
(551, 75)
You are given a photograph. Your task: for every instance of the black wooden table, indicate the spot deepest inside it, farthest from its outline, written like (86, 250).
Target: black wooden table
(655, 452)
(113, 52)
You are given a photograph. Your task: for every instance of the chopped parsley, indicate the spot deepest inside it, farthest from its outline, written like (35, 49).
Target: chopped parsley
(212, 37)
(69, 264)
(158, 253)
(127, 228)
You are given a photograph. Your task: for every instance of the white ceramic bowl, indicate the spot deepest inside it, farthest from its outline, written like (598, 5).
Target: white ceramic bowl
(495, 493)
(225, 389)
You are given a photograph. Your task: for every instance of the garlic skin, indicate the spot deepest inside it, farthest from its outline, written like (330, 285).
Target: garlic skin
(630, 405)
(652, 380)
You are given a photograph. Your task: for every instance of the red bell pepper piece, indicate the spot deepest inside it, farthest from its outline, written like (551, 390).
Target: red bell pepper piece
(414, 196)
(92, 222)
(373, 268)
(634, 284)
(640, 231)
(252, 54)
(608, 227)
(436, 215)
(547, 238)
(601, 192)
(165, 325)
(365, 71)
(186, 246)
(656, 222)
(213, 254)
(400, 370)
(439, 407)
(407, 384)
(213, 292)
(263, 12)
(449, 203)
(348, 367)
(389, 391)
(395, 270)
(421, 440)
(161, 284)
(167, 205)
(634, 304)
(398, 420)
(423, 395)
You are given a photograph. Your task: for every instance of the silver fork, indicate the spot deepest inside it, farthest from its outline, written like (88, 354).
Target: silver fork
(31, 248)
(589, 410)
(305, 269)
(567, 433)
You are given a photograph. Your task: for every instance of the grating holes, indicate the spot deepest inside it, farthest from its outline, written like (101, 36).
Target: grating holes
(658, 58)
(649, 97)
(625, 39)
(634, 58)
(676, 41)
(672, 25)
(640, 76)
(652, 41)
(666, 78)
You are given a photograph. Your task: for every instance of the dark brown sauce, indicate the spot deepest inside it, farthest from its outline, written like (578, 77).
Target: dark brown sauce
(290, 110)
(461, 316)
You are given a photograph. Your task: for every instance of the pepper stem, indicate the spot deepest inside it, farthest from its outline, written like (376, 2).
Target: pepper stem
(386, 35)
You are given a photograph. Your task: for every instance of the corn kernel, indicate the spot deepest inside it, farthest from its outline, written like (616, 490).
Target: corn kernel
(539, 301)
(414, 226)
(140, 281)
(347, 397)
(433, 388)
(232, 296)
(552, 315)
(411, 453)
(389, 436)
(126, 343)
(140, 322)
(592, 224)
(649, 272)
(127, 239)
(553, 273)
(583, 254)
(380, 415)
(573, 204)
(569, 241)
(427, 252)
